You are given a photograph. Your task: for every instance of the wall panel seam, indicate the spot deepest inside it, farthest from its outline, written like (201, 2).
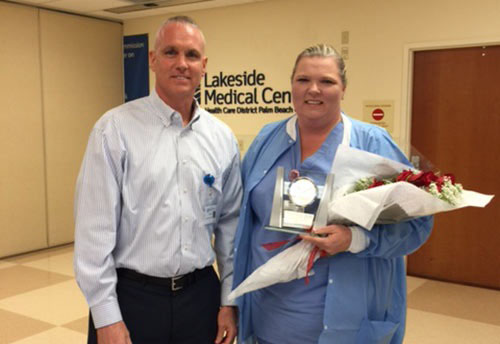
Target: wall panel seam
(44, 140)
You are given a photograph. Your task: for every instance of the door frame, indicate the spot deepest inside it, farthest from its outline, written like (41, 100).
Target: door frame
(407, 77)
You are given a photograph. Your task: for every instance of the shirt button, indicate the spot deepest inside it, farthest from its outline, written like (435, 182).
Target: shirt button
(326, 327)
(185, 190)
(186, 219)
(330, 281)
(184, 162)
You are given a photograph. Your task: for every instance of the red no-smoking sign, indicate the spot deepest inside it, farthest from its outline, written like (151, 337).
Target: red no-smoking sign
(378, 114)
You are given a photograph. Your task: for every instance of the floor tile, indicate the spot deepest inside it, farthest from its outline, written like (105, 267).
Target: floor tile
(29, 257)
(62, 264)
(14, 327)
(470, 303)
(431, 328)
(41, 304)
(80, 325)
(57, 304)
(4, 264)
(20, 279)
(58, 335)
(413, 283)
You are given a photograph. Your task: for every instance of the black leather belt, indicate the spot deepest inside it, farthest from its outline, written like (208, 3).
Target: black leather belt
(175, 283)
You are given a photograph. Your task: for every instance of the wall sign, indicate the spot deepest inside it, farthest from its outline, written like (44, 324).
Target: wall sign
(381, 113)
(136, 66)
(247, 92)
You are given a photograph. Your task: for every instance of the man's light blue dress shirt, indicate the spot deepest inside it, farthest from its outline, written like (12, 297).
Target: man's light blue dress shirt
(146, 199)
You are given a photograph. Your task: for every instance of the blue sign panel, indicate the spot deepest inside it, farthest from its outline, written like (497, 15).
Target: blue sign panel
(136, 66)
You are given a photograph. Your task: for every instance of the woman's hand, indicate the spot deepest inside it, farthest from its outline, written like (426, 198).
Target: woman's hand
(338, 239)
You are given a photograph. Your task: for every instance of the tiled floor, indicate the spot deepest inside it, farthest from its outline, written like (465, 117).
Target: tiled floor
(40, 303)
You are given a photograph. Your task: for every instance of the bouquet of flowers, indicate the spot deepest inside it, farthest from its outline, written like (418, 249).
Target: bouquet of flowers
(375, 190)
(443, 187)
(368, 190)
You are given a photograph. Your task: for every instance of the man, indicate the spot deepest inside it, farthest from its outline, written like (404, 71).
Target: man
(159, 177)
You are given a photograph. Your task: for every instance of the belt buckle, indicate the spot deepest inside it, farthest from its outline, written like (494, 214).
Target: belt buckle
(173, 285)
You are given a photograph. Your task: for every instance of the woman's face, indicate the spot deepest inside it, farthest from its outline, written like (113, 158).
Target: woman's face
(317, 89)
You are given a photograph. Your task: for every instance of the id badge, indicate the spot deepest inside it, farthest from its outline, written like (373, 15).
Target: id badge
(210, 212)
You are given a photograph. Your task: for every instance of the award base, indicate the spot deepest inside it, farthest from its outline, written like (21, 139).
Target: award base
(291, 230)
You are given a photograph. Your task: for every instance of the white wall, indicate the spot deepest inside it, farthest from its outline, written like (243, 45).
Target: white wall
(268, 35)
(22, 174)
(82, 76)
(59, 73)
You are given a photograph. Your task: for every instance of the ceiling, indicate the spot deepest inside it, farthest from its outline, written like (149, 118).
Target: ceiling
(126, 9)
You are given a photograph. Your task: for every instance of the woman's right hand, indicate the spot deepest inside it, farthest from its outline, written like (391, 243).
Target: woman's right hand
(338, 239)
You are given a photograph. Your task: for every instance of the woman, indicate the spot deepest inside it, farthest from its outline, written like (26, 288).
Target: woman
(358, 293)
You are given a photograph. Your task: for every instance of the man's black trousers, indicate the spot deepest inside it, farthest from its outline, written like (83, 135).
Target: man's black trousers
(154, 314)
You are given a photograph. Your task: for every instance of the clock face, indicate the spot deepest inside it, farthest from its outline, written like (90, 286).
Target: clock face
(302, 191)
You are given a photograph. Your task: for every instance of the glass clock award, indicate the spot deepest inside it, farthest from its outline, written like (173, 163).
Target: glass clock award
(300, 202)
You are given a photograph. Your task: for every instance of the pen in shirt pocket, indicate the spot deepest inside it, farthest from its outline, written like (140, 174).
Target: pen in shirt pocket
(209, 179)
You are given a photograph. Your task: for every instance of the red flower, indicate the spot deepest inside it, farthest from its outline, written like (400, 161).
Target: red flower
(440, 180)
(403, 176)
(451, 177)
(423, 179)
(376, 183)
(415, 178)
(428, 178)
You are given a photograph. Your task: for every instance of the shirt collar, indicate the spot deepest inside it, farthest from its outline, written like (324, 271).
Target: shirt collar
(291, 128)
(168, 115)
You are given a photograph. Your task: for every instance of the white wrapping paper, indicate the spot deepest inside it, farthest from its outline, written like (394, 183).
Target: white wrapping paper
(285, 266)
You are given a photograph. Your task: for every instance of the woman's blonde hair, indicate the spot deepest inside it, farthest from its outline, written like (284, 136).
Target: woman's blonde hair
(323, 50)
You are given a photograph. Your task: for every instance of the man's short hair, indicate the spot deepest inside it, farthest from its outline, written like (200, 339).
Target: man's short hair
(179, 19)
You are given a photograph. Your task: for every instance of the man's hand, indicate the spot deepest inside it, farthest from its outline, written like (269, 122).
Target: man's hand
(226, 325)
(338, 239)
(113, 334)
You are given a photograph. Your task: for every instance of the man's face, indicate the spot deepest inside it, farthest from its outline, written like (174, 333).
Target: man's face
(178, 61)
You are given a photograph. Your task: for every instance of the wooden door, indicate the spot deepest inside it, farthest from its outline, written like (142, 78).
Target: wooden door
(456, 125)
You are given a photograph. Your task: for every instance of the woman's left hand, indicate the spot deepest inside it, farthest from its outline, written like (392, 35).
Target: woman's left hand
(338, 239)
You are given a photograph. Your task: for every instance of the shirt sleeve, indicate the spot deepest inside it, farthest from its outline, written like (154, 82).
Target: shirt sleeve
(97, 213)
(225, 229)
(398, 239)
(359, 240)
